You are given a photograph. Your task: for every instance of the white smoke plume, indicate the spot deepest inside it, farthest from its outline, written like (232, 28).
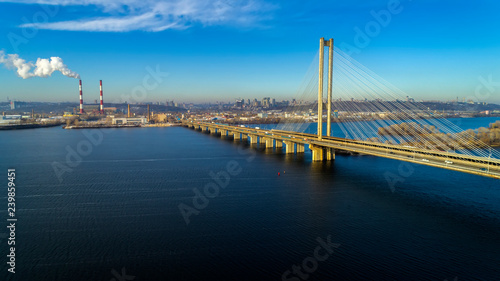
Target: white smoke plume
(42, 67)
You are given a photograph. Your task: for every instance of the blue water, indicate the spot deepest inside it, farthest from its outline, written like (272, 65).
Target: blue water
(119, 208)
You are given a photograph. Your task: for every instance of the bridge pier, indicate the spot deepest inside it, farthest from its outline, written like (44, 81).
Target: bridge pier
(269, 142)
(289, 147)
(236, 136)
(300, 148)
(278, 143)
(330, 154)
(253, 139)
(223, 133)
(244, 137)
(320, 153)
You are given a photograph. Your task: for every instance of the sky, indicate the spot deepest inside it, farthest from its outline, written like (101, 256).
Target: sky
(220, 50)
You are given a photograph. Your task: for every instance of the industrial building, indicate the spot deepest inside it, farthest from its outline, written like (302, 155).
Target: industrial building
(129, 121)
(10, 119)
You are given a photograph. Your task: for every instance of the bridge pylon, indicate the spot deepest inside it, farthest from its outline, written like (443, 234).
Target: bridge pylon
(322, 44)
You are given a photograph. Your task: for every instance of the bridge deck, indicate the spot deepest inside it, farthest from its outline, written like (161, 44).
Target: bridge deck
(447, 160)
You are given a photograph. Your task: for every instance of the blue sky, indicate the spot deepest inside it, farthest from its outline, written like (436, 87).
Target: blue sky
(224, 49)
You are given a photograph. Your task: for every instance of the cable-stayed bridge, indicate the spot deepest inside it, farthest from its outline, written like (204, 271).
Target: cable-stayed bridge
(375, 118)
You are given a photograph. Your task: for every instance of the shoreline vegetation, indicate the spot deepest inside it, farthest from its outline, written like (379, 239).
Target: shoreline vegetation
(428, 136)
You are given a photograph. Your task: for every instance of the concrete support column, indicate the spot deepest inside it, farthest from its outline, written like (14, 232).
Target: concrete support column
(300, 148)
(223, 133)
(269, 142)
(244, 137)
(253, 139)
(278, 143)
(330, 154)
(289, 147)
(236, 136)
(318, 152)
(213, 131)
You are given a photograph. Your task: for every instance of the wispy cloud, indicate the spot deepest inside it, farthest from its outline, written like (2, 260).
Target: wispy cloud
(154, 16)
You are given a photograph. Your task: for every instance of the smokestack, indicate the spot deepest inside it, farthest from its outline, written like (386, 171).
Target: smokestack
(128, 111)
(32, 113)
(148, 113)
(102, 106)
(81, 98)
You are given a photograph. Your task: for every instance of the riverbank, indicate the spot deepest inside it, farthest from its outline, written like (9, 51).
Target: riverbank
(28, 126)
(101, 126)
(106, 126)
(160, 125)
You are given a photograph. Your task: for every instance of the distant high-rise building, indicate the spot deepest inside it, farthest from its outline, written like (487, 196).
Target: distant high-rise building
(266, 102)
(17, 104)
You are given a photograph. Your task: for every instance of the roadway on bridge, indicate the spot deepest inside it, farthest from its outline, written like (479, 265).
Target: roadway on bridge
(446, 160)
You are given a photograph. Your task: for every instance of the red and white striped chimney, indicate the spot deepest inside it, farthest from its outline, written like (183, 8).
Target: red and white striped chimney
(102, 107)
(81, 98)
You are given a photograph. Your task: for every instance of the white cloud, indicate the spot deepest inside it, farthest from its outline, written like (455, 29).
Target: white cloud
(43, 67)
(149, 15)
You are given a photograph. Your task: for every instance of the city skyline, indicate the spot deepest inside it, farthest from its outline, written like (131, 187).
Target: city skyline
(222, 50)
